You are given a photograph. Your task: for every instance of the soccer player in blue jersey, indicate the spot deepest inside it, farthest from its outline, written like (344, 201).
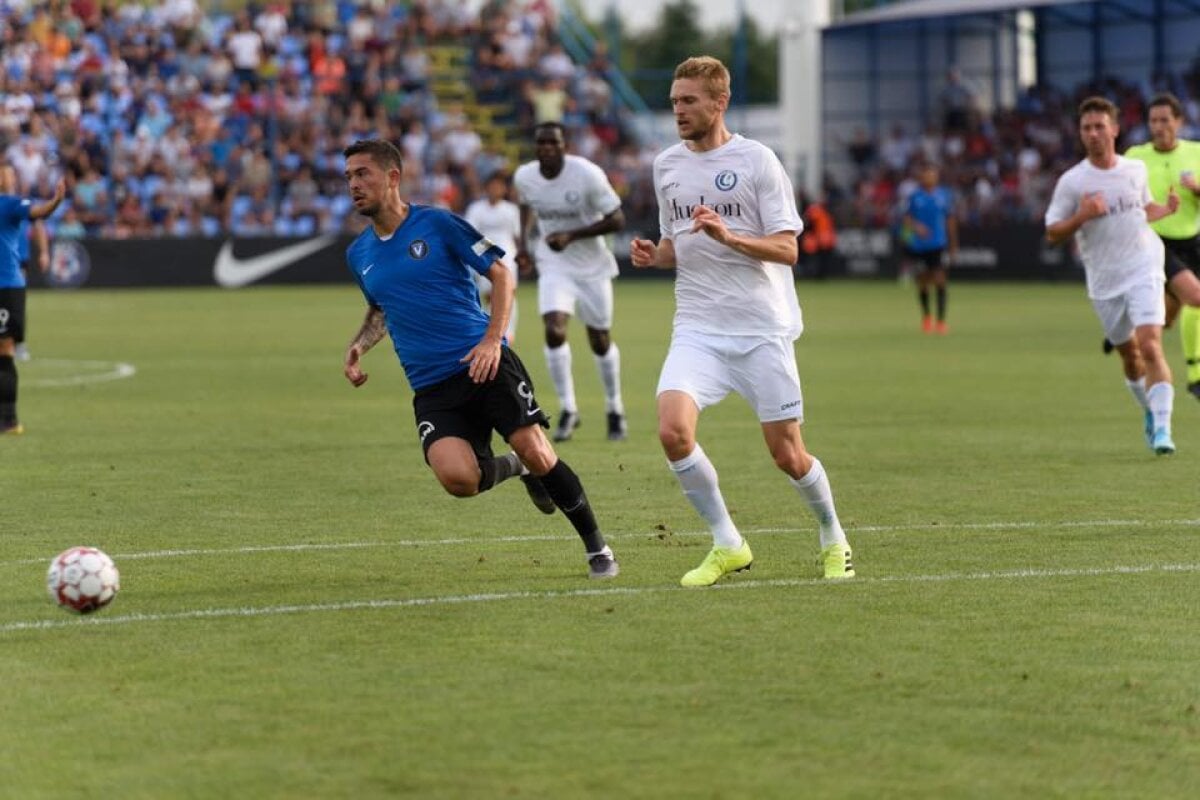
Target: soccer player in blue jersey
(14, 211)
(414, 265)
(931, 239)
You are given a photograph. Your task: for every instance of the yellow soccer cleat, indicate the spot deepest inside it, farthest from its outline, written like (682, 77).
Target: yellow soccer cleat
(719, 561)
(15, 430)
(835, 563)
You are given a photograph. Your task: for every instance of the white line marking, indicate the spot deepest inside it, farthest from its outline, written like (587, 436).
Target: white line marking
(495, 597)
(484, 541)
(113, 371)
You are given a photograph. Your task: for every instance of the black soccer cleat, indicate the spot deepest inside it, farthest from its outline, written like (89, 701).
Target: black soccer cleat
(603, 566)
(568, 421)
(1194, 389)
(538, 494)
(617, 430)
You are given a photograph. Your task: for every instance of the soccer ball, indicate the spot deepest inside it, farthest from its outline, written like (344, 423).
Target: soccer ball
(82, 579)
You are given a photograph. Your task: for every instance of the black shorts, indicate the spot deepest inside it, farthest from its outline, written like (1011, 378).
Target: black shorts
(1181, 254)
(928, 259)
(12, 314)
(467, 410)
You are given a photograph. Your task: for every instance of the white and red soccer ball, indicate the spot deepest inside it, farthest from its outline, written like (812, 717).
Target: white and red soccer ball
(82, 579)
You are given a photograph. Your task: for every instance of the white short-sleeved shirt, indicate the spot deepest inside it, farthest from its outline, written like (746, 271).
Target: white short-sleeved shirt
(578, 196)
(500, 223)
(1118, 249)
(717, 289)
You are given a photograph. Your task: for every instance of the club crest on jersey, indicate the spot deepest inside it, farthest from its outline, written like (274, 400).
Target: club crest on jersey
(573, 197)
(418, 249)
(726, 180)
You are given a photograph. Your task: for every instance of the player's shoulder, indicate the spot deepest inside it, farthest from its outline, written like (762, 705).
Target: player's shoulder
(525, 171)
(1132, 165)
(582, 165)
(360, 243)
(670, 154)
(1140, 152)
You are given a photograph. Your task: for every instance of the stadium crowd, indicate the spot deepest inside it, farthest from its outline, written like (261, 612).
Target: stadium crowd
(1002, 165)
(168, 119)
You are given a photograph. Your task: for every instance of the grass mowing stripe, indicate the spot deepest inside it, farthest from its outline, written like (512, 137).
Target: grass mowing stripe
(474, 540)
(358, 605)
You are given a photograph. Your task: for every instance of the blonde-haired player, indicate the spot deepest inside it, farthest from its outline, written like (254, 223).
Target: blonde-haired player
(728, 224)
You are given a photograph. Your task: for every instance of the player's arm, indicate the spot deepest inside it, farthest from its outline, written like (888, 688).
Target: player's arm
(646, 253)
(374, 328)
(484, 358)
(778, 248)
(1156, 211)
(611, 223)
(524, 258)
(1091, 206)
(42, 242)
(43, 210)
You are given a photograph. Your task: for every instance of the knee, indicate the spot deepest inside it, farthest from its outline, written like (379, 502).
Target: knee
(793, 461)
(460, 485)
(600, 341)
(677, 441)
(555, 336)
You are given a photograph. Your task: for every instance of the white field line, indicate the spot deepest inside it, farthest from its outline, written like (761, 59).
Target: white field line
(112, 371)
(496, 597)
(484, 541)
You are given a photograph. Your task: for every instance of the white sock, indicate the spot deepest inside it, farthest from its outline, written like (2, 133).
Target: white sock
(698, 477)
(605, 551)
(1161, 399)
(1138, 390)
(609, 366)
(558, 363)
(814, 487)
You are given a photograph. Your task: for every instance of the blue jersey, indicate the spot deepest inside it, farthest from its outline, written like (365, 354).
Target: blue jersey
(14, 215)
(421, 277)
(930, 208)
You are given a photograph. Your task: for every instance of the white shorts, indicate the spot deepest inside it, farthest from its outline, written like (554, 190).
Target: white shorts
(762, 369)
(1141, 304)
(591, 299)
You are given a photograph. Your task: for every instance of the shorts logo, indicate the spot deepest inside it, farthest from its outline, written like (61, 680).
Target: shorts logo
(424, 429)
(792, 404)
(3, 320)
(418, 249)
(726, 180)
(527, 395)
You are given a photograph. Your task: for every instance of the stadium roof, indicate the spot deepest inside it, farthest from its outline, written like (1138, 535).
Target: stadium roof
(916, 9)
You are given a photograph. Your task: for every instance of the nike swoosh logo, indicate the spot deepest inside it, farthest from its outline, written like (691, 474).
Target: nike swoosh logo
(232, 272)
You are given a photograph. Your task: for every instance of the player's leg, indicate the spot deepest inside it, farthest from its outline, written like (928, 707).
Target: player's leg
(1119, 330)
(1184, 288)
(465, 473)
(924, 280)
(766, 375)
(937, 273)
(12, 324)
(21, 352)
(565, 489)
(596, 313)
(1160, 392)
(556, 303)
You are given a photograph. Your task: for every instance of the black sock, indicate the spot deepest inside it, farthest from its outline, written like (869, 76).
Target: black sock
(563, 486)
(497, 470)
(923, 296)
(941, 302)
(8, 392)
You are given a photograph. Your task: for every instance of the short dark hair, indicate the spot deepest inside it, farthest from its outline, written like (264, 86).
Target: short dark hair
(550, 126)
(1097, 104)
(383, 153)
(1170, 101)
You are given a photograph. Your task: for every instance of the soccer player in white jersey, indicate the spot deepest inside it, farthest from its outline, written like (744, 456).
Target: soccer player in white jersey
(499, 219)
(1104, 201)
(575, 207)
(728, 224)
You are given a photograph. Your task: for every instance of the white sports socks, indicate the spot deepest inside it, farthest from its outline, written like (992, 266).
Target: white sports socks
(558, 364)
(1138, 390)
(698, 477)
(609, 366)
(814, 488)
(1161, 400)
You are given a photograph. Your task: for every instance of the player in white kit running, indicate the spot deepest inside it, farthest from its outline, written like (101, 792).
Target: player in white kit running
(499, 219)
(575, 207)
(728, 224)
(1104, 201)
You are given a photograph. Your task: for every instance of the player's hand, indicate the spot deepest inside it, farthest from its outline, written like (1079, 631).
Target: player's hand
(920, 229)
(643, 252)
(709, 222)
(558, 241)
(484, 360)
(352, 370)
(1093, 205)
(524, 263)
(1188, 181)
(1172, 200)
(60, 190)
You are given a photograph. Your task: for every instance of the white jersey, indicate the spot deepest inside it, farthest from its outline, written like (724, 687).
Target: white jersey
(577, 197)
(1120, 248)
(500, 223)
(717, 289)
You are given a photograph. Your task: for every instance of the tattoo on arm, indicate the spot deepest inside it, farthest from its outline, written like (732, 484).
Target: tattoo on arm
(373, 329)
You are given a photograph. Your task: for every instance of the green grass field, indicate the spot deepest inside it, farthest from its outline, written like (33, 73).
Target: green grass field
(305, 614)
